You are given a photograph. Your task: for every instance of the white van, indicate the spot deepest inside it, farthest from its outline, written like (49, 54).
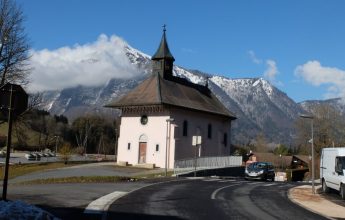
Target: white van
(332, 169)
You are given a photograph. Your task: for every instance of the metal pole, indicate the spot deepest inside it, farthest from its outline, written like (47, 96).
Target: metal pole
(312, 157)
(115, 150)
(195, 151)
(166, 151)
(9, 134)
(56, 143)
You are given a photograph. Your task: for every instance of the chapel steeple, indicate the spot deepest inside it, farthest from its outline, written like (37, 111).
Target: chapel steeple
(163, 60)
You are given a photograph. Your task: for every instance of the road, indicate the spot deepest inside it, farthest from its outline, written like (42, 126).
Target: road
(210, 199)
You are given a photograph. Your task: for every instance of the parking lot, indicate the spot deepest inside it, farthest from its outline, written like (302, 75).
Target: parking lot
(19, 158)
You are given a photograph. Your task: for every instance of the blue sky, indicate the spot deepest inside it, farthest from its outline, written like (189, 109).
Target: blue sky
(298, 45)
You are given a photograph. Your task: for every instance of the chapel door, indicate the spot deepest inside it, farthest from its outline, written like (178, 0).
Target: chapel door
(142, 152)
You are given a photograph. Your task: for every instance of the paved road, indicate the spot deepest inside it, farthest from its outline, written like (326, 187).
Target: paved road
(210, 199)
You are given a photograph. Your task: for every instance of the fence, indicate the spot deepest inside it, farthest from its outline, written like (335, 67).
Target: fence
(204, 163)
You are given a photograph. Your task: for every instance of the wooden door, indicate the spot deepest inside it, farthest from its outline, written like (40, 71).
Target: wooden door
(142, 152)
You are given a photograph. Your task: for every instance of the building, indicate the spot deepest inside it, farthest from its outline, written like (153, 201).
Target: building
(162, 114)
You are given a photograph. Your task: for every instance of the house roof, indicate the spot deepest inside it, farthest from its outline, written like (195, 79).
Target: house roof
(174, 92)
(276, 160)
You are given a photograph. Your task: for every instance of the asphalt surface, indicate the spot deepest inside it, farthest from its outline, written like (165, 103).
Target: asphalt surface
(210, 199)
(68, 201)
(205, 198)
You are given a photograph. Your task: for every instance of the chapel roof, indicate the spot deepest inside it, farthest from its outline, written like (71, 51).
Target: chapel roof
(176, 92)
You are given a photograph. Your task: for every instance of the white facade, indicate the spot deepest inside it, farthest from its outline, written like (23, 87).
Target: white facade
(173, 144)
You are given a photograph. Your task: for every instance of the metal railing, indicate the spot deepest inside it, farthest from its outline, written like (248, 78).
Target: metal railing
(204, 163)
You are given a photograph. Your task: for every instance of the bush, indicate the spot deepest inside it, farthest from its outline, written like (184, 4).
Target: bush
(65, 152)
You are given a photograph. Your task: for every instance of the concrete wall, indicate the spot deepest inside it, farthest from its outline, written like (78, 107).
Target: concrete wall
(198, 125)
(155, 132)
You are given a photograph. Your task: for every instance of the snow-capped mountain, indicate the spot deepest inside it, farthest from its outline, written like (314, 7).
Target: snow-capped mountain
(311, 105)
(259, 106)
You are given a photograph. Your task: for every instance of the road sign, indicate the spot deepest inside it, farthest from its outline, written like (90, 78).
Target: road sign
(19, 99)
(196, 140)
(13, 102)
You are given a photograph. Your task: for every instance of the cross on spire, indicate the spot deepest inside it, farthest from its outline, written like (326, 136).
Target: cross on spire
(164, 27)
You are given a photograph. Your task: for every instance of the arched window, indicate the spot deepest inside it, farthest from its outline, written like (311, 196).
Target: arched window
(185, 128)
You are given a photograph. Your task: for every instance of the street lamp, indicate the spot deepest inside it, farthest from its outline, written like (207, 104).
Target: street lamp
(56, 143)
(312, 151)
(116, 144)
(167, 146)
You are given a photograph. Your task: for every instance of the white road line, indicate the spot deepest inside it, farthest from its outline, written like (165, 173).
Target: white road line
(224, 181)
(210, 180)
(99, 206)
(195, 178)
(270, 184)
(214, 194)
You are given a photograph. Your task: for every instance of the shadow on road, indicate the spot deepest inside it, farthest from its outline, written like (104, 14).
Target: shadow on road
(136, 216)
(66, 213)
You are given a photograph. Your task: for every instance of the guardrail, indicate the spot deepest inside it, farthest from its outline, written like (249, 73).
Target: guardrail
(204, 163)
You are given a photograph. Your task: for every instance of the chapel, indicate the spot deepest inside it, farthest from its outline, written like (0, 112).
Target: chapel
(162, 114)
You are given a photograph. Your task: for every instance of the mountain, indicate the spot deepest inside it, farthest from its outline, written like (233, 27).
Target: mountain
(311, 105)
(259, 106)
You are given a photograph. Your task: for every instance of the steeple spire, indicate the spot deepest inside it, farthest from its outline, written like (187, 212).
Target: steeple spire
(163, 51)
(163, 60)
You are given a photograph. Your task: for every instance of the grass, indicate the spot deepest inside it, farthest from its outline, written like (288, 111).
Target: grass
(154, 175)
(80, 179)
(22, 169)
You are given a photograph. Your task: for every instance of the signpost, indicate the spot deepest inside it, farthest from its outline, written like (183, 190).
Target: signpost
(13, 102)
(196, 142)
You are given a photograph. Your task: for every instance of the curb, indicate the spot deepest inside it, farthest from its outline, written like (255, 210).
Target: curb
(305, 207)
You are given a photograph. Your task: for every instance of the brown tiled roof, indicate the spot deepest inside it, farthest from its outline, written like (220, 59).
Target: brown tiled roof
(175, 92)
(276, 160)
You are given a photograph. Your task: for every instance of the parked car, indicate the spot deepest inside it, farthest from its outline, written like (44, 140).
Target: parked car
(2, 153)
(332, 169)
(30, 156)
(260, 171)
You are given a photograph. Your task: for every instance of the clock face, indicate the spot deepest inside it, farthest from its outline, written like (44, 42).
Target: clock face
(143, 120)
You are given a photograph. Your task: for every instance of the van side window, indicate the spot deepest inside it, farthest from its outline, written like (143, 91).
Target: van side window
(339, 165)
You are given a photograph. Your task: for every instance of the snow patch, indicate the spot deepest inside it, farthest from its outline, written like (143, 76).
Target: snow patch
(20, 210)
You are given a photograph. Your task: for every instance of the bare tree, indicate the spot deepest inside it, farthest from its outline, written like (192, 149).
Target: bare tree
(328, 129)
(261, 143)
(14, 47)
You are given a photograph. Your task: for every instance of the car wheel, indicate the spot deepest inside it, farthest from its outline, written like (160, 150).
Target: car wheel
(342, 191)
(325, 188)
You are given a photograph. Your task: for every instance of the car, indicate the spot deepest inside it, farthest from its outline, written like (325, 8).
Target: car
(36, 155)
(260, 171)
(30, 156)
(2, 153)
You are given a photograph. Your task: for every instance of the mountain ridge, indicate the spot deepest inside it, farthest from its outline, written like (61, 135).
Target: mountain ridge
(259, 106)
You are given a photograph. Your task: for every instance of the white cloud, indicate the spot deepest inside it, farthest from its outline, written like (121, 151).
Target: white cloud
(89, 65)
(254, 58)
(316, 74)
(272, 70)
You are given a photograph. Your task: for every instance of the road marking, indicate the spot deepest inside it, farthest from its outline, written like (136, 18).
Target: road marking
(99, 206)
(210, 180)
(195, 178)
(224, 181)
(270, 184)
(214, 194)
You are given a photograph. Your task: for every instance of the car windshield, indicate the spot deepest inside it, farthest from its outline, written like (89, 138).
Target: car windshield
(259, 165)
